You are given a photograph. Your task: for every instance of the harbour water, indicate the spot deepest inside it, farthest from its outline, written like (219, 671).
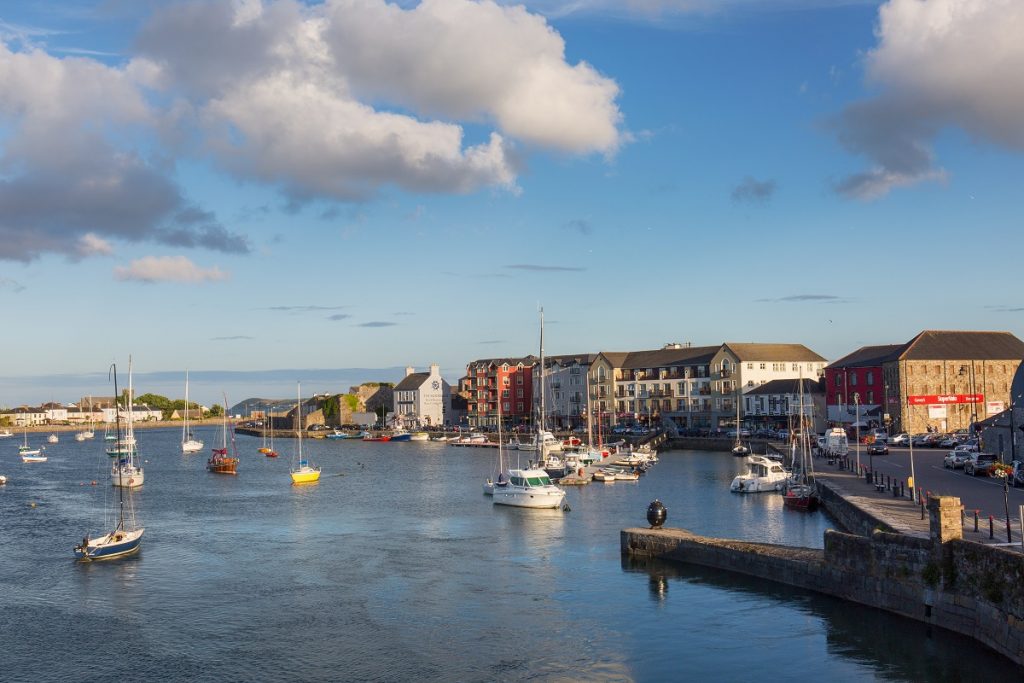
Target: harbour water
(395, 567)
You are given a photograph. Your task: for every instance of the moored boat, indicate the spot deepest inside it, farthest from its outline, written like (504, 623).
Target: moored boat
(52, 438)
(189, 444)
(220, 462)
(762, 475)
(303, 472)
(126, 470)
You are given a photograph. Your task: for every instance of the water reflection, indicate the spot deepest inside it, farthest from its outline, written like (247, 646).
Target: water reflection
(890, 645)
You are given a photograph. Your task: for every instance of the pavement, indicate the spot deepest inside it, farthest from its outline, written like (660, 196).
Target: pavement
(904, 515)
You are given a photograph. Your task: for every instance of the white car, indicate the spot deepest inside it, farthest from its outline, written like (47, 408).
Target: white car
(956, 458)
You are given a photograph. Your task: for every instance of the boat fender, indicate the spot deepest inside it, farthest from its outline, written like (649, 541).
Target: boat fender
(740, 487)
(580, 473)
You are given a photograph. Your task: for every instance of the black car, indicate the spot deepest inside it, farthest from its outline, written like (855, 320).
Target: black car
(878, 448)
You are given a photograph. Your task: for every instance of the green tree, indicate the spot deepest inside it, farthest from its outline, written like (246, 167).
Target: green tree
(157, 401)
(216, 410)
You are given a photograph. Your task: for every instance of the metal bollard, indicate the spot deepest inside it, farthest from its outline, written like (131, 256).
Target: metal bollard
(895, 490)
(991, 527)
(976, 521)
(920, 501)
(888, 482)
(867, 477)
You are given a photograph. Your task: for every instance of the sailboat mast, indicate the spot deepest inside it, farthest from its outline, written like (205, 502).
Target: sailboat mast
(118, 443)
(543, 414)
(298, 415)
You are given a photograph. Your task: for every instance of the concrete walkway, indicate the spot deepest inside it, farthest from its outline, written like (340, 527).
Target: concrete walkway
(902, 514)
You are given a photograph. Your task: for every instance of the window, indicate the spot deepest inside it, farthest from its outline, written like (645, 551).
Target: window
(519, 407)
(763, 365)
(871, 378)
(853, 380)
(750, 382)
(839, 380)
(750, 366)
(796, 367)
(504, 393)
(505, 367)
(504, 381)
(519, 378)
(506, 406)
(871, 397)
(519, 392)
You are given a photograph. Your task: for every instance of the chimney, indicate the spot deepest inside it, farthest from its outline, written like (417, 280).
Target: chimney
(409, 370)
(435, 370)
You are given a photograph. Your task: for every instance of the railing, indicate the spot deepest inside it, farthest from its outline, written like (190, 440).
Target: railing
(705, 391)
(726, 373)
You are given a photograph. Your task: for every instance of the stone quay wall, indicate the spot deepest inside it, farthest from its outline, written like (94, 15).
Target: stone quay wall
(974, 589)
(851, 517)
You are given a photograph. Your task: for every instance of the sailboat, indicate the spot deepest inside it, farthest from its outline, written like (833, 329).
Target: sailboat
(30, 454)
(126, 537)
(802, 492)
(52, 438)
(88, 432)
(303, 472)
(189, 444)
(502, 479)
(531, 487)
(738, 448)
(127, 470)
(220, 462)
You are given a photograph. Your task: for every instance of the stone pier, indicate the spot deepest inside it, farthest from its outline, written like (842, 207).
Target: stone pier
(976, 590)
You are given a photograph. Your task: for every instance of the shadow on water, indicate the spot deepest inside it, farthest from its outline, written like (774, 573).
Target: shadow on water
(871, 637)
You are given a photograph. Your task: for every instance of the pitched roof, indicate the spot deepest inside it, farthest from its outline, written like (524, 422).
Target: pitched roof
(787, 386)
(867, 356)
(661, 358)
(412, 381)
(773, 352)
(568, 359)
(963, 345)
(527, 361)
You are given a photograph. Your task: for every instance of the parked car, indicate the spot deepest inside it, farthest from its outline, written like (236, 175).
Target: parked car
(782, 434)
(981, 463)
(956, 458)
(920, 440)
(1017, 475)
(900, 439)
(878, 448)
(949, 441)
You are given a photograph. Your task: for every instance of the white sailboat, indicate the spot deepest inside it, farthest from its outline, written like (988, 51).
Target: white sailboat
(501, 480)
(302, 472)
(30, 454)
(88, 432)
(531, 487)
(738, 448)
(126, 471)
(189, 444)
(126, 537)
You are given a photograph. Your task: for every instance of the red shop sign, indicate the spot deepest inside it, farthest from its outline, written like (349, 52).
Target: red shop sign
(942, 399)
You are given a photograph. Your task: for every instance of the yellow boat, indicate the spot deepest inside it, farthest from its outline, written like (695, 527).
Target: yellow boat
(304, 473)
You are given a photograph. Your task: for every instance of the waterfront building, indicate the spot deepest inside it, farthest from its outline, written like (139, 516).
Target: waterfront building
(565, 390)
(505, 380)
(422, 399)
(957, 378)
(25, 416)
(854, 387)
(776, 405)
(694, 387)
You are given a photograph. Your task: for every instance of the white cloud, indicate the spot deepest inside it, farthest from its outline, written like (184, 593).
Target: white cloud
(167, 269)
(94, 245)
(938, 63)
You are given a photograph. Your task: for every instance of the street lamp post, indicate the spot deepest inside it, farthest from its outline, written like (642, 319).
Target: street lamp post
(856, 425)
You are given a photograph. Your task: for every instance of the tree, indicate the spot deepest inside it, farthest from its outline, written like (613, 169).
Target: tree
(216, 410)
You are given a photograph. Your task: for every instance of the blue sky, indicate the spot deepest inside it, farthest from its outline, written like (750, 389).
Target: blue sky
(341, 189)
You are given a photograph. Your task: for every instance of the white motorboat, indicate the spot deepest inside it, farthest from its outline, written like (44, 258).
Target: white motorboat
(6, 433)
(607, 477)
(529, 488)
(762, 475)
(544, 440)
(3, 480)
(419, 436)
(52, 438)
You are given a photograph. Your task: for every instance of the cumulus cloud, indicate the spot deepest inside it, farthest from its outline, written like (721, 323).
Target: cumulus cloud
(167, 269)
(342, 99)
(937, 64)
(91, 244)
(336, 100)
(752, 190)
(71, 176)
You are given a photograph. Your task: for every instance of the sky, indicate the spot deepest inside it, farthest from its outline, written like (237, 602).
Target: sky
(326, 193)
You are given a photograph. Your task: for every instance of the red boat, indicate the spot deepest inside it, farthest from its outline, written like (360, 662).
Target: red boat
(270, 453)
(802, 498)
(383, 437)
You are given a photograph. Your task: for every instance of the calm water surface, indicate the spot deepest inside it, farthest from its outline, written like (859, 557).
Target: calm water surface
(395, 567)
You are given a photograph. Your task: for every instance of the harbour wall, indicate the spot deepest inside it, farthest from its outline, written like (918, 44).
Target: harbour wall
(711, 443)
(970, 588)
(847, 514)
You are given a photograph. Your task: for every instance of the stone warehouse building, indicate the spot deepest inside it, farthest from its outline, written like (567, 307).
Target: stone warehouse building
(949, 380)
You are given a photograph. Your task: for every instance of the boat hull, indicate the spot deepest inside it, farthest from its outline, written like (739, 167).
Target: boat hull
(305, 475)
(222, 465)
(127, 476)
(191, 446)
(110, 546)
(528, 499)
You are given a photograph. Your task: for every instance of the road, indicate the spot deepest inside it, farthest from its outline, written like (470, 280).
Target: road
(976, 493)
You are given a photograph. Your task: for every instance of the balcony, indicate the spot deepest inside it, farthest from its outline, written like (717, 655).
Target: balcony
(704, 391)
(726, 373)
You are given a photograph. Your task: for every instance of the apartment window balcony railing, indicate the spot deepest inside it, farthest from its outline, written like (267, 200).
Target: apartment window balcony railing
(726, 373)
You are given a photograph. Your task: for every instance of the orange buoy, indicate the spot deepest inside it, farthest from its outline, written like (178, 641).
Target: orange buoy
(580, 473)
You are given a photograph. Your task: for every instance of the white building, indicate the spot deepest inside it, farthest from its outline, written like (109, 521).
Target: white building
(422, 399)
(776, 404)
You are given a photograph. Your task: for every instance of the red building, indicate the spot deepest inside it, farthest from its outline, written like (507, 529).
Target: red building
(854, 386)
(500, 386)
